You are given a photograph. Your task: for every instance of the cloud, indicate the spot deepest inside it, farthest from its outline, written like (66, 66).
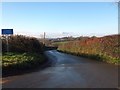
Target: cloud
(65, 33)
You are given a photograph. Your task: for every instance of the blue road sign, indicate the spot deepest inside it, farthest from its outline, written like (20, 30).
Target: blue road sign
(7, 31)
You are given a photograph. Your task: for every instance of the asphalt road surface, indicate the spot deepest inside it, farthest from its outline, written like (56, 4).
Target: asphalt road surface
(67, 71)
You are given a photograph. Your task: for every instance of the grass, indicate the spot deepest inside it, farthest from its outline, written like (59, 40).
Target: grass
(21, 60)
(97, 57)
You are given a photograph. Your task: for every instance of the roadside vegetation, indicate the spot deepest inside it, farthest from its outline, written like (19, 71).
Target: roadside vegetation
(21, 60)
(20, 43)
(24, 53)
(105, 48)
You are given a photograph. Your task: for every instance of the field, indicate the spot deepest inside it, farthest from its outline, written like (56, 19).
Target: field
(56, 44)
(105, 48)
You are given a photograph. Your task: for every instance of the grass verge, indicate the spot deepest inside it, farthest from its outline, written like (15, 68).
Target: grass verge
(97, 57)
(12, 62)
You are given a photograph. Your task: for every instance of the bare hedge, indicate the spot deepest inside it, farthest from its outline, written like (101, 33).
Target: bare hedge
(20, 43)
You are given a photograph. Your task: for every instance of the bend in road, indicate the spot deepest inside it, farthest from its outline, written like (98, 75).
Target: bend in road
(67, 71)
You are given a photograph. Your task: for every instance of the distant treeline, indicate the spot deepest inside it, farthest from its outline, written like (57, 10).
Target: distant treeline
(20, 43)
(104, 48)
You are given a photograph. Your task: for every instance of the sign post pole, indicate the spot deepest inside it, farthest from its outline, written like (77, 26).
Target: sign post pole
(7, 42)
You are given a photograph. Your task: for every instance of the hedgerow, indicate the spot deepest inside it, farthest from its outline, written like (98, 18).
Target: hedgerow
(105, 48)
(20, 43)
(24, 53)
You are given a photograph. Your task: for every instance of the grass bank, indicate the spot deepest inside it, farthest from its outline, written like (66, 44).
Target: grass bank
(21, 60)
(15, 62)
(97, 57)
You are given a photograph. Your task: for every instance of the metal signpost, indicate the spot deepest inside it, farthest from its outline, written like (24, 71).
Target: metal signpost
(7, 32)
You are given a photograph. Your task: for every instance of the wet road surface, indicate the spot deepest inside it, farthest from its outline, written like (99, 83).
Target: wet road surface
(67, 71)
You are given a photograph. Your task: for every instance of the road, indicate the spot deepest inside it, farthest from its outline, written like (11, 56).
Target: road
(67, 71)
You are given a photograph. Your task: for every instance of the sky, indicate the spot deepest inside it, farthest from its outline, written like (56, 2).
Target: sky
(61, 18)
